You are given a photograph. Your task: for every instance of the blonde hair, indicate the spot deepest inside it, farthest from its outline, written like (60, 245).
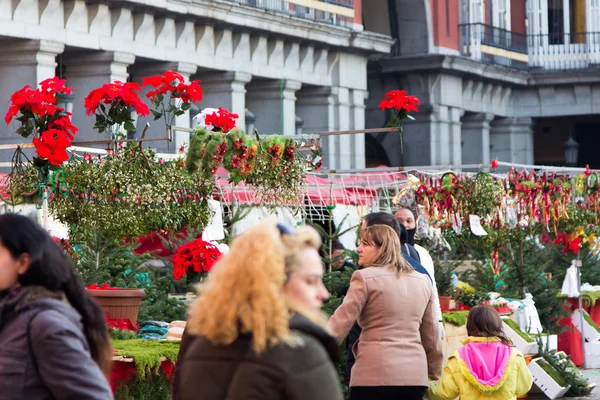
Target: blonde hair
(390, 252)
(243, 292)
(303, 238)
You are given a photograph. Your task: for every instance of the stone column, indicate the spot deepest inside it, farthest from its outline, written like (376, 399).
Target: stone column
(227, 90)
(316, 107)
(158, 128)
(87, 71)
(22, 63)
(476, 138)
(511, 140)
(434, 138)
(274, 104)
(357, 113)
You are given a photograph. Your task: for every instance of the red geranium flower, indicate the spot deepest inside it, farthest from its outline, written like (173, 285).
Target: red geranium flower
(397, 99)
(495, 163)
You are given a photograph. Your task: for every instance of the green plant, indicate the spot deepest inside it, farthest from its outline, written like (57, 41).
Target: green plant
(152, 387)
(515, 327)
(443, 274)
(120, 334)
(555, 375)
(470, 299)
(562, 370)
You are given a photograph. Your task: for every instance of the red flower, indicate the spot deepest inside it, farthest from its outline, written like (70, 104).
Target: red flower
(55, 85)
(197, 255)
(191, 92)
(495, 163)
(222, 119)
(56, 138)
(64, 124)
(575, 245)
(34, 100)
(587, 172)
(55, 156)
(397, 99)
(117, 94)
(174, 83)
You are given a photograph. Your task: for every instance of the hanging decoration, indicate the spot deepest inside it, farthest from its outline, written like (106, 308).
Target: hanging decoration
(273, 165)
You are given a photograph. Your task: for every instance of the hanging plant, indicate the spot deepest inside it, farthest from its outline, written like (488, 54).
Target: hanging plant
(129, 194)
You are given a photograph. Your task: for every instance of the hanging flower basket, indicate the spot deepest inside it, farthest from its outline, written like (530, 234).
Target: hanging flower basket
(119, 303)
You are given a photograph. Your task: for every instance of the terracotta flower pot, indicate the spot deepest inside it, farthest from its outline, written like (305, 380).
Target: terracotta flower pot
(445, 302)
(119, 303)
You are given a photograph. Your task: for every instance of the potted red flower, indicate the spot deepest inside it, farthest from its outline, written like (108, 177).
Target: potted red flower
(198, 256)
(118, 303)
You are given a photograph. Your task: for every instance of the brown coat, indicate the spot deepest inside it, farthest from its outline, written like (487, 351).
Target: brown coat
(400, 342)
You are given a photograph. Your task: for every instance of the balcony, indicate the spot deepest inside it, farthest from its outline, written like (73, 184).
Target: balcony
(334, 12)
(551, 52)
(494, 45)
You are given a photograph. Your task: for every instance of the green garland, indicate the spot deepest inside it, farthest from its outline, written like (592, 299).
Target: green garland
(147, 354)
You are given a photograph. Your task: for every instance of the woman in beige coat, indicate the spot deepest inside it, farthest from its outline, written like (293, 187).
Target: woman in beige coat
(399, 347)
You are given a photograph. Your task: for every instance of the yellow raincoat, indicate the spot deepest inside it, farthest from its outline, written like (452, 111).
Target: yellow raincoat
(483, 369)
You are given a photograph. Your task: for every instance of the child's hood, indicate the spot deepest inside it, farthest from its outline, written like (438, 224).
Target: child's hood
(484, 362)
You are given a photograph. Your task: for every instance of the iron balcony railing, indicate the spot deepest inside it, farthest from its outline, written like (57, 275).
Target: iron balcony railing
(489, 43)
(334, 12)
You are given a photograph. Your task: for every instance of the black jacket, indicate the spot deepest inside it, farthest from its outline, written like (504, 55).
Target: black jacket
(43, 352)
(302, 369)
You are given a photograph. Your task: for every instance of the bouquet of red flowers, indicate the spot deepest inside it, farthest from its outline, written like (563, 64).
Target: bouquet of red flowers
(39, 116)
(198, 255)
(120, 98)
(173, 84)
(398, 100)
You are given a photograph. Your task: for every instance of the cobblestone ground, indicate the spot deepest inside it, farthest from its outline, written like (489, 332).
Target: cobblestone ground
(593, 375)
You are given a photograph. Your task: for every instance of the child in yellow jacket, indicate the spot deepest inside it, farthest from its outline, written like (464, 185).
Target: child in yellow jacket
(486, 367)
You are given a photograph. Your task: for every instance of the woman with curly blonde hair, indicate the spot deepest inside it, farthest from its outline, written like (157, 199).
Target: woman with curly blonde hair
(255, 323)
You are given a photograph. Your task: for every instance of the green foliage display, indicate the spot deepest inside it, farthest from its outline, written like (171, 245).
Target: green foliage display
(443, 273)
(147, 354)
(120, 334)
(458, 318)
(515, 327)
(470, 299)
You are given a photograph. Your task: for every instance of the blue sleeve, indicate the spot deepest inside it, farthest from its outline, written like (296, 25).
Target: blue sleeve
(63, 359)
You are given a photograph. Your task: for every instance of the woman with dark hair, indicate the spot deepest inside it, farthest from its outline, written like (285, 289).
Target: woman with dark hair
(487, 366)
(53, 340)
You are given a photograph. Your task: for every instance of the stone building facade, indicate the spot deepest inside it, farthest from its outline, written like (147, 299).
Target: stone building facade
(289, 63)
(511, 79)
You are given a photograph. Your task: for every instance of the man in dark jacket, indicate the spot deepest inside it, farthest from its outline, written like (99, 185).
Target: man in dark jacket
(383, 218)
